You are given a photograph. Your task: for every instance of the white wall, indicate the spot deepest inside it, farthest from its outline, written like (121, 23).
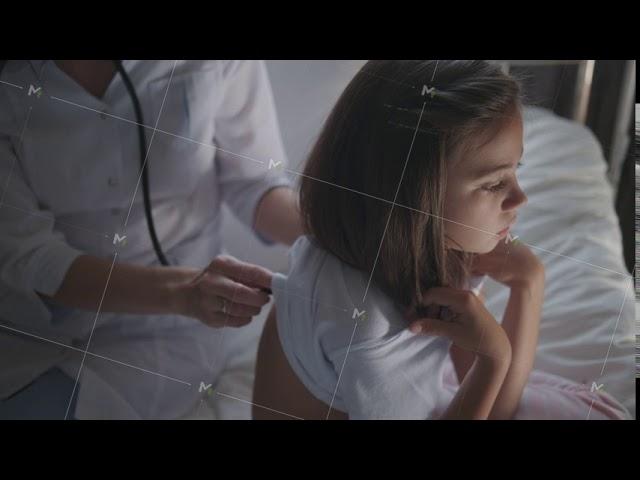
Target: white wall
(305, 92)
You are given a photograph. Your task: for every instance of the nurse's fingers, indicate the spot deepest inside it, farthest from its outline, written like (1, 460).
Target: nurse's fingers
(246, 273)
(220, 304)
(219, 320)
(234, 292)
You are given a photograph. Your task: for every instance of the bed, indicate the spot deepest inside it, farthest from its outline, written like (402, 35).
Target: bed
(587, 329)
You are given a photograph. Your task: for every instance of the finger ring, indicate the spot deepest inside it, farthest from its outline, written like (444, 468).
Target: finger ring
(224, 305)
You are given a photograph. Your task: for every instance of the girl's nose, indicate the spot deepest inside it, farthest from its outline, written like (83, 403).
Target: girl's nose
(516, 200)
(523, 199)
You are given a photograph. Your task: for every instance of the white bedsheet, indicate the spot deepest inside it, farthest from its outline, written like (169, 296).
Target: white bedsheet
(587, 330)
(587, 325)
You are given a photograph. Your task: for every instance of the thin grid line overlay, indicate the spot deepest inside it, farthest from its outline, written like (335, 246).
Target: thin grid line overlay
(393, 203)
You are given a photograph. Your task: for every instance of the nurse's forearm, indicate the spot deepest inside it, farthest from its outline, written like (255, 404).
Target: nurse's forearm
(129, 289)
(278, 216)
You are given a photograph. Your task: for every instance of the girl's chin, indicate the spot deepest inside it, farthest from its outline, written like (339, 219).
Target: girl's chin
(480, 249)
(478, 243)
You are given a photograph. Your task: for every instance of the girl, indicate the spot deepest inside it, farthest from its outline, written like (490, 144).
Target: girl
(407, 199)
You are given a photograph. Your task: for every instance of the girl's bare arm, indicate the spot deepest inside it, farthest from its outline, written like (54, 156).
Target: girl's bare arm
(521, 323)
(478, 391)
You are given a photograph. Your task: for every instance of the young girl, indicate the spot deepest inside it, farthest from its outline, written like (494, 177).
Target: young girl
(408, 198)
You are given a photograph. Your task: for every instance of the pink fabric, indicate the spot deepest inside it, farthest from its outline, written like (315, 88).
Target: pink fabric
(550, 397)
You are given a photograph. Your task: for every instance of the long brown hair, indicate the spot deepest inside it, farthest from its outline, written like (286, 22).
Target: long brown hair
(392, 107)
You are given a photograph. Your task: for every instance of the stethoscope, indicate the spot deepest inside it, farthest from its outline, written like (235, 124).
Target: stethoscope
(143, 155)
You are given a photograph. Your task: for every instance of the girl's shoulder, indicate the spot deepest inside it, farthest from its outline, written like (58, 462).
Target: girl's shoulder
(327, 298)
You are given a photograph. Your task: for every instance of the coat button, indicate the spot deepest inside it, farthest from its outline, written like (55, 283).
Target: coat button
(112, 181)
(103, 115)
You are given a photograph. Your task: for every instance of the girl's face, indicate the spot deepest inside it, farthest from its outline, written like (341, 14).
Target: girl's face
(483, 195)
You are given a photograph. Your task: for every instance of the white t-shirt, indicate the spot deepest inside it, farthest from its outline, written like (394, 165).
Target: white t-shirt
(389, 372)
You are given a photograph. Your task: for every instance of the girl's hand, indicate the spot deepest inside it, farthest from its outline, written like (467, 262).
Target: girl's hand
(512, 264)
(465, 321)
(228, 293)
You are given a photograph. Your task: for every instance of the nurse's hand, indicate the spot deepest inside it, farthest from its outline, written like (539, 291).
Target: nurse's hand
(228, 293)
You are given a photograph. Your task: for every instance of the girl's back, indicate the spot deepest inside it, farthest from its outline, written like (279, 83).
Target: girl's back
(321, 321)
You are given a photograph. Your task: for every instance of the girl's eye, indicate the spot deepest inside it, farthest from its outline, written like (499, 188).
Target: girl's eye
(496, 188)
(500, 185)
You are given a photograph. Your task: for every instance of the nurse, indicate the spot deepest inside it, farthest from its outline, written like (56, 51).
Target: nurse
(92, 325)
